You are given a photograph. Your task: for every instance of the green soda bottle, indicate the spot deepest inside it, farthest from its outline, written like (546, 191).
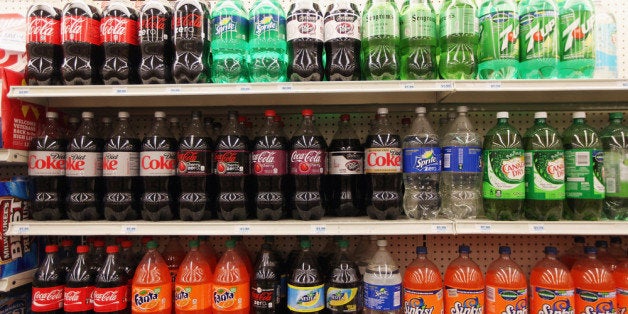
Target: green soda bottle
(577, 39)
(458, 41)
(230, 32)
(544, 171)
(418, 40)
(615, 142)
(538, 39)
(584, 189)
(380, 40)
(504, 168)
(499, 40)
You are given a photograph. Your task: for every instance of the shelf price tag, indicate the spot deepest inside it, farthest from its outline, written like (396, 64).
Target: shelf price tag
(408, 86)
(120, 90)
(173, 90)
(444, 85)
(244, 88)
(623, 84)
(129, 229)
(440, 229)
(536, 228)
(494, 84)
(21, 91)
(285, 87)
(319, 229)
(243, 229)
(23, 229)
(484, 228)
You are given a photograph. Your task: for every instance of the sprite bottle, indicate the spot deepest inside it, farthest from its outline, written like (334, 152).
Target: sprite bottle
(504, 168)
(615, 142)
(538, 39)
(418, 40)
(267, 42)
(577, 39)
(380, 40)
(544, 171)
(499, 40)
(230, 32)
(458, 41)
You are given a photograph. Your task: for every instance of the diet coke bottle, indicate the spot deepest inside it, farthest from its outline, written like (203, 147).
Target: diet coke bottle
(191, 42)
(48, 284)
(43, 45)
(111, 288)
(155, 43)
(118, 30)
(78, 296)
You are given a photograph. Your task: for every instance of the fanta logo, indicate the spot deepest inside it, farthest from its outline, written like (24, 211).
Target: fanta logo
(181, 295)
(146, 299)
(224, 298)
(265, 24)
(561, 308)
(577, 31)
(556, 169)
(536, 34)
(514, 169)
(417, 306)
(426, 159)
(470, 306)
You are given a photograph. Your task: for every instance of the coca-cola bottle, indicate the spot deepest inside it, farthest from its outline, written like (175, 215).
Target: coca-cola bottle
(98, 255)
(67, 255)
(48, 284)
(270, 150)
(155, 43)
(383, 169)
(266, 283)
(346, 171)
(195, 201)
(82, 44)
(84, 172)
(158, 158)
(111, 289)
(43, 45)
(128, 259)
(121, 170)
(191, 33)
(46, 169)
(232, 160)
(118, 30)
(307, 167)
(79, 287)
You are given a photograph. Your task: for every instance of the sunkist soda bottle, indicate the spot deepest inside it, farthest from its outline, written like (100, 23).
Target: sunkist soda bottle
(464, 285)
(155, 24)
(458, 40)
(306, 36)
(506, 285)
(577, 39)
(43, 45)
(152, 285)
(423, 286)
(193, 286)
(267, 42)
(539, 39)
(380, 40)
(574, 253)
(620, 275)
(191, 38)
(231, 284)
(230, 34)
(595, 286)
(418, 40)
(118, 30)
(498, 55)
(551, 285)
(342, 41)
(615, 144)
(48, 284)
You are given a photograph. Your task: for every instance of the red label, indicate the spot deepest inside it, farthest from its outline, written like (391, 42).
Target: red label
(193, 163)
(110, 299)
(307, 162)
(232, 162)
(153, 22)
(190, 20)
(269, 162)
(44, 30)
(80, 28)
(115, 29)
(78, 299)
(47, 299)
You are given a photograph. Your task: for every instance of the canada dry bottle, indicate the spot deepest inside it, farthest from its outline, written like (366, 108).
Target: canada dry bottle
(615, 143)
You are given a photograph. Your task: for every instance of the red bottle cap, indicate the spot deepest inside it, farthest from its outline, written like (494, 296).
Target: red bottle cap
(82, 249)
(307, 112)
(127, 244)
(345, 117)
(67, 242)
(113, 249)
(241, 119)
(52, 248)
(99, 243)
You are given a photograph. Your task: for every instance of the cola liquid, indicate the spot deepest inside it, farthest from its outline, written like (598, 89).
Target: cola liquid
(43, 45)
(191, 42)
(156, 48)
(118, 29)
(78, 296)
(342, 41)
(305, 35)
(48, 284)
(111, 287)
(82, 44)
(265, 283)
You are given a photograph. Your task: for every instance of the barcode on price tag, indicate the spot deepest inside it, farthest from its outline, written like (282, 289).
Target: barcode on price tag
(245, 88)
(120, 90)
(495, 84)
(129, 229)
(285, 87)
(319, 229)
(243, 229)
(174, 90)
(444, 85)
(407, 86)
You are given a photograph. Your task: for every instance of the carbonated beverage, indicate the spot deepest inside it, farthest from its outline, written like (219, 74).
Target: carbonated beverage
(342, 41)
(574, 253)
(98, 255)
(615, 143)
(422, 286)
(365, 250)
(620, 275)
(128, 258)
(152, 285)
(266, 282)
(43, 45)
(616, 249)
(380, 40)
(79, 287)
(418, 40)
(605, 39)
(577, 39)
(344, 286)
(155, 24)
(193, 289)
(498, 55)
(230, 35)
(175, 127)
(48, 284)
(209, 254)
(118, 30)
(506, 285)
(458, 40)
(549, 277)
(604, 256)
(111, 286)
(231, 288)
(594, 283)
(243, 253)
(382, 283)
(306, 36)
(67, 255)
(173, 255)
(267, 42)
(191, 35)
(82, 44)
(464, 285)
(306, 288)
(539, 42)
(106, 127)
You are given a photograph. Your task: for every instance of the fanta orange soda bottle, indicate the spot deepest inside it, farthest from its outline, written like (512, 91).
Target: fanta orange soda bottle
(621, 283)
(208, 252)
(231, 284)
(506, 286)
(551, 286)
(152, 284)
(595, 286)
(464, 285)
(193, 288)
(422, 286)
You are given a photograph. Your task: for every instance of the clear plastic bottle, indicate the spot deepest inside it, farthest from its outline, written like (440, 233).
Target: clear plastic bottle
(538, 39)
(577, 39)
(498, 55)
(458, 40)
(615, 143)
(365, 250)
(382, 283)
(605, 39)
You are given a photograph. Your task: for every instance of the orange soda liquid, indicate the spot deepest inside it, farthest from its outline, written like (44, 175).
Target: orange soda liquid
(595, 286)
(464, 285)
(151, 290)
(506, 286)
(231, 284)
(193, 287)
(551, 286)
(621, 283)
(423, 286)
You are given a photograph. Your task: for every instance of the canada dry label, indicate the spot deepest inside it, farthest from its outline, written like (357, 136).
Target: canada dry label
(193, 297)
(307, 161)
(306, 299)
(151, 298)
(78, 299)
(232, 162)
(121, 164)
(83, 164)
(268, 26)
(47, 299)
(307, 25)
(46, 163)
(504, 174)
(463, 301)
(499, 36)
(423, 301)
(231, 27)
(193, 163)
(382, 297)
(80, 29)
(110, 299)
(231, 298)
(459, 21)
(270, 162)
(539, 35)
(346, 162)
(418, 24)
(342, 299)
(422, 160)
(549, 301)
(596, 302)
(462, 159)
(342, 25)
(380, 20)
(383, 160)
(265, 298)
(44, 30)
(506, 301)
(584, 174)
(577, 35)
(545, 174)
(615, 173)
(115, 29)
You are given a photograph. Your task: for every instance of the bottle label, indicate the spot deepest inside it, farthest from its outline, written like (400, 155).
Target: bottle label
(539, 36)
(381, 20)
(342, 25)
(307, 162)
(110, 299)
(308, 25)
(418, 24)
(504, 174)
(268, 26)
(616, 173)
(306, 299)
(158, 163)
(423, 301)
(596, 302)
(81, 164)
(577, 35)
(622, 300)
(81, 29)
(151, 299)
(506, 301)
(462, 159)
(232, 162)
(382, 297)
(422, 160)
(346, 162)
(584, 174)
(153, 28)
(47, 299)
(78, 299)
(44, 30)
(230, 27)
(463, 301)
(121, 164)
(231, 298)
(269, 162)
(193, 163)
(265, 298)
(115, 29)
(547, 301)
(499, 36)
(342, 299)
(383, 160)
(193, 297)
(188, 26)
(606, 50)
(459, 21)
(545, 174)
(42, 163)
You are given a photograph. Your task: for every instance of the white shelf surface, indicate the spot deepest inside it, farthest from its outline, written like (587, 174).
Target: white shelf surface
(13, 156)
(542, 227)
(19, 279)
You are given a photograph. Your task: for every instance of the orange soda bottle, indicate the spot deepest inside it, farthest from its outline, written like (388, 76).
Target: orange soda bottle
(595, 286)
(604, 256)
(621, 283)
(464, 285)
(152, 285)
(506, 286)
(208, 252)
(193, 288)
(422, 286)
(173, 254)
(231, 288)
(240, 248)
(574, 253)
(551, 286)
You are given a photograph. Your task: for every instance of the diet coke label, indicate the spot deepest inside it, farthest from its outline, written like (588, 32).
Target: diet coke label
(83, 164)
(116, 29)
(81, 29)
(44, 30)
(78, 299)
(47, 299)
(346, 162)
(158, 164)
(382, 160)
(269, 162)
(42, 163)
(121, 164)
(307, 162)
(110, 299)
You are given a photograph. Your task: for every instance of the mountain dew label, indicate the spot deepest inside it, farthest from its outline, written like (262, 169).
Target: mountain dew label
(577, 39)
(306, 299)
(503, 174)
(584, 174)
(539, 37)
(499, 36)
(545, 174)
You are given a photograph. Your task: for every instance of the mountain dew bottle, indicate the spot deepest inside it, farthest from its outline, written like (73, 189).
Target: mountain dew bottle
(499, 40)
(577, 39)
(538, 39)
(230, 32)
(615, 142)
(504, 167)
(458, 40)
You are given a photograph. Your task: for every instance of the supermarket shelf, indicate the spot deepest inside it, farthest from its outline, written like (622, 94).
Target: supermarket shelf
(13, 156)
(542, 227)
(20, 279)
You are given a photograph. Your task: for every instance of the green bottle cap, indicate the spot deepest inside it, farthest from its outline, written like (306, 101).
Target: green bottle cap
(231, 244)
(193, 244)
(306, 244)
(616, 115)
(343, 244)
(152, 245)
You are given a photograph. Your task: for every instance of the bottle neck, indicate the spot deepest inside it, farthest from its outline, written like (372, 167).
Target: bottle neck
(578, 121)
(502, 121)
(616, 121)
(540, 121)
(195, 128)
(464, 255)
(591, 256)
(550, 256)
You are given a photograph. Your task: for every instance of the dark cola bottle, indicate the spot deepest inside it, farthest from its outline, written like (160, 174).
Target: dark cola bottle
(82, 44)
(118, 30)
(232, 160)
(305, 35)
(78, 296)
(383, 169)
(156, 51)
(84, 172)
(266, 282)
(270, 150)
(43, 45)
(121, 172)
(342, 41)
(195, 201)
(346, 171)
(307, 167)
(46, 169)
(111, 286)
(67, 255)
(48, 284)
(191, 33)
(158, 159)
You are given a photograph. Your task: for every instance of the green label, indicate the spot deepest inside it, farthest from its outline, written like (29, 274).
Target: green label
(503, 174)
(583, 171)
(459, 21)
(418, 24)
(616, 173)
(499, 36)
(577, 40)
(380, 20)
(539, 36)
(545, 174)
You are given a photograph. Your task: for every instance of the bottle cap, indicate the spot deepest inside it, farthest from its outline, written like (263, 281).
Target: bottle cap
(113, 249)
(616, 115)
(123, 115)
(53, 115)
(578, 239)
(462, 109)
(579, 115)
(540, 115)
(590, 250)
(420, 110)
(152, 244)
(615, 240)
(421, 250)
(73, 120)
(174, 120)
(106, 120)
(270, 113)
(87, 115)
(504, 250)
(551, 250)
(126, 244)
(343, 244)
(464, 249)
(502, 115)
(306, 244)
(193, 244)
(382, 243)
(99, 243)
(196, 114)
(52, 248)
(345, 117)
(241, 119)
(82, 249)
(601, 243)
(382, 110)
(307, 112)
(67, 242)
(146, 239)
(160, 114)
(230, 244)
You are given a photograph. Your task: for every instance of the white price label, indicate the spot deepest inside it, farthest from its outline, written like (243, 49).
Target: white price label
(483, 228)
(623, 84)
(319, 229)
(23, 229)
(173, 90)
(21, 91)
(444, 85)
(120, 90)
(285, 87)
(495, 84)
(243, 229)
(129, 229)
(440, 228)
(245, 88)
(407, 86)
(536, 228)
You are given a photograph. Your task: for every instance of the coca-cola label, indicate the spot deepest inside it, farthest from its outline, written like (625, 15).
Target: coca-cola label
(43, 163)
(78, 299)
(116, 29)
(232, 162)
(269, 162)
(346, 162)
(193, 163)
(81, 29)
(83, 164)
(342, 25)
(158, 163)
(121, 164)
(47, 299)
(382, 160)
(188, 26)
(110, 299)
(264, 298)
(301, 25)
(153, 28)
(44, 30)
(307, 162)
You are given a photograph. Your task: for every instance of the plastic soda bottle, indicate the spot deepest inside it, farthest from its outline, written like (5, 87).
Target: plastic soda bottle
(506, 285)
(595, 286)
(418, 40)
(363, 253)
(193, 291)
(545, 171)
(111, 286)
(458, 41)
(604, 256)
(191, 36)
(306, 288)
(152, 284)
(266, 288)
(342, 41)
(504, 168)
(267, 42)
(79, 287)
(605, 39)
(464, 285)
(538, 39)
(173, 254)
(382, 283)
(615, 144)
(573, 253)
(231, 289)
(344, 286)
(230, 35)
(498, 55)
(620, 275)
(551, 285)
(49, 284)
(306, 38)
(380, 40)
(616, 249)
(423, 286)
(577, 39)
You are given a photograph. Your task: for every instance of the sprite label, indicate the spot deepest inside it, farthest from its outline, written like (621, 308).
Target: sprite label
(230, 27)
(538, 35)
(418, 24)
(268, 26)
(503, 174)
(499, 34)
(459, 21)
(380, 20)
(577, 38)
(616, 173)
(584, 174)
(545, 174)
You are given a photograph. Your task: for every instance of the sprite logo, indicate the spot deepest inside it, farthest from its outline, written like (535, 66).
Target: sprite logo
(536, 34)
(225, 24)
(265, 24)
(426, 159)
(577, 30)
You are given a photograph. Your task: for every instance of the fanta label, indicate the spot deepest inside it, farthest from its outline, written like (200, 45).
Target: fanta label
(193, 297)
(423, 301)
(596, 302)
(306, 299)
(152, 299)
(548, 301)
(462, 301)
(506, 301)
(622, 301)
(232, 297)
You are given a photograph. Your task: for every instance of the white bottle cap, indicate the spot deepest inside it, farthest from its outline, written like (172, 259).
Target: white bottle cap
(540, 115)
(160, 114)
(87, 115)
(52, 115)
(420, 110)
(502, 115)
(462, 109)
(123, 114)
(382, 242)
(382, 110)
(579, 115)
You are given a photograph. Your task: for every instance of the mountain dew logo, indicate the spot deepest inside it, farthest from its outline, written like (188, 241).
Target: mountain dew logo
(577, 30)
(266, 23)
